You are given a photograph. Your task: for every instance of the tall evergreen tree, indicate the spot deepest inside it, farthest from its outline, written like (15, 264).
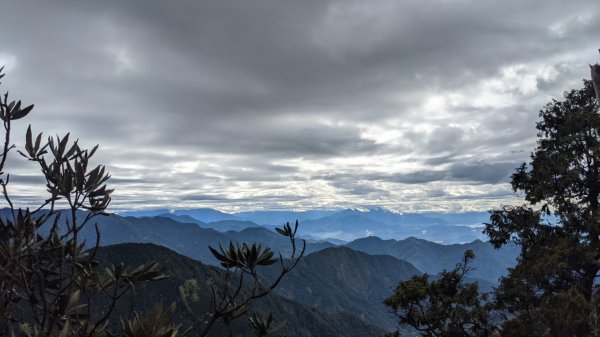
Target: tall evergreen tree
(552, 290)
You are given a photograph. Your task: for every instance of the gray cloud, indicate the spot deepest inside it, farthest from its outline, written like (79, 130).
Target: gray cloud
(477, 173)
(248, 104)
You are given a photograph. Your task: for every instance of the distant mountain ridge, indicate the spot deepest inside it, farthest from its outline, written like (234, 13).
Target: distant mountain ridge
(489, 264)
(221, 225)
(203, 214)
(347, 224)
(192, 240)
(340, 280)
(185, 238)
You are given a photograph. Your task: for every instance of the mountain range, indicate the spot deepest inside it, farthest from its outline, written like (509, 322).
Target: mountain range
(188, 239)
(192, 240)
(335, 280)
(348, 224)
(430, 257)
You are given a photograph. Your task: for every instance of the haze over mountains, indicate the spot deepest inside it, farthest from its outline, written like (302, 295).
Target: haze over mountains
(345, 275)
(347, 225)
(335, 277)
(190, 232)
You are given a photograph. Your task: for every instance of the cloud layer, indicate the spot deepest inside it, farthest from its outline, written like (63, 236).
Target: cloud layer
(411, 105)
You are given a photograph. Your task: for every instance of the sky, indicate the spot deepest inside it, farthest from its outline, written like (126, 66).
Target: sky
(416, 105)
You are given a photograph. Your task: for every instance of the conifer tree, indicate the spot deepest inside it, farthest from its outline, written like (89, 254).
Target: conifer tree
(552, 289)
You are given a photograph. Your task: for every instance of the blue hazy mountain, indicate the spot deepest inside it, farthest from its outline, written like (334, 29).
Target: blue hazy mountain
(338, 242)
(231, 225)
(278, 218)
(188, 239)
(192, 240)
(489, 263)
(347, 224)
(182, 218)
(465, 219)
(206, 214)
(390, 218)
(221, 226)
(351, 224)
(145, 213)
(202, 214)
(346, 227)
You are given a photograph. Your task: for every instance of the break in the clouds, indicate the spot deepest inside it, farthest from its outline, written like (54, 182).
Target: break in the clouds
(411, 105)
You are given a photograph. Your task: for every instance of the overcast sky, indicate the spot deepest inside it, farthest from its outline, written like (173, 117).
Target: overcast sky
(410, 105)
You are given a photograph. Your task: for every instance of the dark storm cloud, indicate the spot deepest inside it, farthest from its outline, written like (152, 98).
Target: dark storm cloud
(482, 172)
(289, 139)
(478, 173)
(116, 180)
(228, 97)
(28, 179)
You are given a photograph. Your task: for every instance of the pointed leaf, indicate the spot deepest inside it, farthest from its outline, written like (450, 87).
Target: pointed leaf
(21, 113)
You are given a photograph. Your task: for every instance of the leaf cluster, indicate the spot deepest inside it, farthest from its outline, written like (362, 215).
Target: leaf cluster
(243, 283)
(243, 256)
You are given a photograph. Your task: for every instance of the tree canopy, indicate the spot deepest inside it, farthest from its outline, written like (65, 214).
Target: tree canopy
(552, 290)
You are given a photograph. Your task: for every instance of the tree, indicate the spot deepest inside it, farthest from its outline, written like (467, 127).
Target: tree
(52, 285)
(552, 290)
(443, 307)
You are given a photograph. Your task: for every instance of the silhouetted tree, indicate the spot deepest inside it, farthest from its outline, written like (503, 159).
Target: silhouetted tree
(49, 283)
(52, 285)
(552, 289)
(443, 307)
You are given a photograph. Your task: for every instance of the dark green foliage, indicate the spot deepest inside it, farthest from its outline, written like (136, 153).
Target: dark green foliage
(595, 70)
(445, 307)
(551, 291)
